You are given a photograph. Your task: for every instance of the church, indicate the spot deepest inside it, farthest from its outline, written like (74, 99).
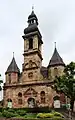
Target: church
(33, 87)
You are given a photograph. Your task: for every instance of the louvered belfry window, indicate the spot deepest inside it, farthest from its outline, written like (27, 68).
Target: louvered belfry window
(30, 43)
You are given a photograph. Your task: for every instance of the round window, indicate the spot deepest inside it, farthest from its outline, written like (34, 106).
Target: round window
(30, 75)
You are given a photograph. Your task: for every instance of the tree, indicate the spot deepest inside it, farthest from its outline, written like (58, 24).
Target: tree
(66, 83)
(1, 81)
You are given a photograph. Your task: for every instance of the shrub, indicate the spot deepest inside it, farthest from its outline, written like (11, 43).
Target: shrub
(57, 118)
(1, 114)
(11, 110)
(44, 115)
(7, 114)
(30, 115)
(21, 112)
(1, 109)
(40, 115)
(50, 115)
(57, 114)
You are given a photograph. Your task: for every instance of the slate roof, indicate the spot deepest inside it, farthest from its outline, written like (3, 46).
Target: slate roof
(31, 28)
(32, 15)
(56, 59)
(44, 71)
(13, 67)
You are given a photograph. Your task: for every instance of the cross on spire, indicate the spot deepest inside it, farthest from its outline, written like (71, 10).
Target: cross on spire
(32, 7)
(55, 44)
(13, 54)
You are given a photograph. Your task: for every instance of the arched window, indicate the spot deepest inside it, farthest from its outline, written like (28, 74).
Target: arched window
(30, 43)
(56, 101)
(30, 75)
(42, 96)
(9, 100)
(19, 98)
(55, 72)
(56, 97)
(9, 78)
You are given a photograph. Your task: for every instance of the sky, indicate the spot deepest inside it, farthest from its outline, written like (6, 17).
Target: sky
(56, 24)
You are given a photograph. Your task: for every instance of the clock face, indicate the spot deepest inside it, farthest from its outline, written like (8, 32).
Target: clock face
(30, 75)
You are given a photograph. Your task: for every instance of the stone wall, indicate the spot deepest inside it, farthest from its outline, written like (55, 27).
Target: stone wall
(52, 75)
(12, 93)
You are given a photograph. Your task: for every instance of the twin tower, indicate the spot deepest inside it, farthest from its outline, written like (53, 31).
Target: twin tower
(32, 86)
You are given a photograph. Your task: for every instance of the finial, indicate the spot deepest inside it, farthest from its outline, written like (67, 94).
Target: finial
(13, 54)
(55, 44)
(32, 7)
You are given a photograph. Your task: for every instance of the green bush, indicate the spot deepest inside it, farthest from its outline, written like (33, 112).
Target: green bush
(49, 115)
(57, 114)
(21, 112)
(45, 115)
(1, 109)
(1, 114)
(7, 114)
(11, 110)
(57, 118)
(18, 116)
(40, 115)
(30, 115)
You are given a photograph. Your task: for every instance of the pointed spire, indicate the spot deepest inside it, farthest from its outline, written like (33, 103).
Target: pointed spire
(56, 59)
(13, 66)
(32, 18)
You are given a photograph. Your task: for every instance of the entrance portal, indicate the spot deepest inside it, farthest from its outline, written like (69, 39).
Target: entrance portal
(31, 102)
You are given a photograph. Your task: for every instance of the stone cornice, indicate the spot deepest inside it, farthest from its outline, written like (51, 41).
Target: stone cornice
(33, 52)
(38, 83)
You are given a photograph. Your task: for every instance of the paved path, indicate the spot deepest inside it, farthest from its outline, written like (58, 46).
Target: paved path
(68, 116)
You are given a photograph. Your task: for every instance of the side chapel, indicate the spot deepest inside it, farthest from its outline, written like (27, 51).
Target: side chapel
(33, 86)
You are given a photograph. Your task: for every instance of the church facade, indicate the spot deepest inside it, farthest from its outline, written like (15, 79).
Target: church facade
(33, 87)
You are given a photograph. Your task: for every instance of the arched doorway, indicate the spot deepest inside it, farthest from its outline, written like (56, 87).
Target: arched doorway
(56, 102)
(31, 102)
(9, 104)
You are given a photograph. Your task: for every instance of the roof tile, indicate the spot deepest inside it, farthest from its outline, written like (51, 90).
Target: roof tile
(13, 67)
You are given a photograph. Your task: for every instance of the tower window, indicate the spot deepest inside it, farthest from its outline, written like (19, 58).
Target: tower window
(55, 72)
(30, 43)
(9, 78)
